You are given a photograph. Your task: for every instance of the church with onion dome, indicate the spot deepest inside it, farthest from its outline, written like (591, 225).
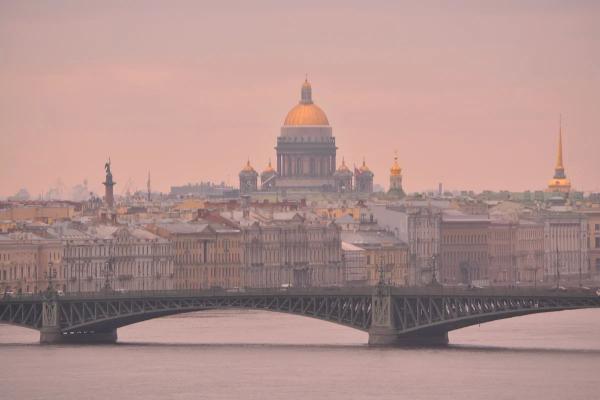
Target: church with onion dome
(306, 157)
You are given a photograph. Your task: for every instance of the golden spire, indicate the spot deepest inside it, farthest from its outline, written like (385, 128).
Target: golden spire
(559, 157)
(395, 170)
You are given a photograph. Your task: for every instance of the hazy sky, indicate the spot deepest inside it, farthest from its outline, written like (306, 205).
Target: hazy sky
(469, 93)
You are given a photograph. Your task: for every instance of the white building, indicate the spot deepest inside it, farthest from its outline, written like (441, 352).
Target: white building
(125, 258)
(565, 246)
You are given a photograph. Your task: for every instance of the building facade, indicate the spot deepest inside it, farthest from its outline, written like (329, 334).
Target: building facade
(565, 247)
(292, 252)
(464, 249)
(30, 264)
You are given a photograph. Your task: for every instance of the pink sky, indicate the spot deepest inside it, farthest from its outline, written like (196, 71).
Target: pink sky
(469, 94)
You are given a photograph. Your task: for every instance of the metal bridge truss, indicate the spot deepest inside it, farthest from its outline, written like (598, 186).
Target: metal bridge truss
(446, 313)
(385, 314)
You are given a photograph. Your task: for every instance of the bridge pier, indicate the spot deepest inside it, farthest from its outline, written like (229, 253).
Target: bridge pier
(51, 333)
(390, 337)
(384, 330)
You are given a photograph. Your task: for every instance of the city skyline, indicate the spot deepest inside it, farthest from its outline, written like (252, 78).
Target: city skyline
(470, 111)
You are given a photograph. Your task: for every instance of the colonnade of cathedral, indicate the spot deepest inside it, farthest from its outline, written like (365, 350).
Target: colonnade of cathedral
(289, 165)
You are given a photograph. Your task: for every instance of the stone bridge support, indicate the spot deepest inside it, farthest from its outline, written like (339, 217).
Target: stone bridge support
(384, 329)
(51, 333)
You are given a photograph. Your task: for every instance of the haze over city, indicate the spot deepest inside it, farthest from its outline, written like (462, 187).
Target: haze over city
(468, 93)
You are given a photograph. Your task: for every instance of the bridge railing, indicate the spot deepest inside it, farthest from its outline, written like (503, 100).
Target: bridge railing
(437, 290)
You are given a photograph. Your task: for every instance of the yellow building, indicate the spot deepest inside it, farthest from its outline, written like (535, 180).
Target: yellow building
(27, 261)
(559, 183)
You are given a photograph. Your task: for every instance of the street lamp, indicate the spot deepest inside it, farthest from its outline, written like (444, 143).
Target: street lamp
(49, 275)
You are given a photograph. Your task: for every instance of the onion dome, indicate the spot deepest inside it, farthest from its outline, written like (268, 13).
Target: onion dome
(269, 169)
(306, 113)
(247, 168)
(363, 167)
(343, 169)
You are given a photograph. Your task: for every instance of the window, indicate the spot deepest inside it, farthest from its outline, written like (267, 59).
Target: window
(597, 242)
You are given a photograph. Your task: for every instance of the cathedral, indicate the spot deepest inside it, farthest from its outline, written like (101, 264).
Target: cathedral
(306, 157)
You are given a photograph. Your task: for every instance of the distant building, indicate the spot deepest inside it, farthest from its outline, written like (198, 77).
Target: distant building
(248, 179)
(109, 197)
(396, 179)
(559, 183)
(306, 156)
(343, 178)
(363, 179)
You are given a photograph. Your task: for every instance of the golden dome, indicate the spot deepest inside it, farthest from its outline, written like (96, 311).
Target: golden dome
(306, 112)
(343, 167)
(269, 168)
(363, 167)
(395, 170)
(248, 167)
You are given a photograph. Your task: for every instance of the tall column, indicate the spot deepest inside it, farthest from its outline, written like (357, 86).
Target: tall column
(279, 164)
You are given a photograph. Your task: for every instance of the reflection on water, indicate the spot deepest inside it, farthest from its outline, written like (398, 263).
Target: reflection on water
(261, 355)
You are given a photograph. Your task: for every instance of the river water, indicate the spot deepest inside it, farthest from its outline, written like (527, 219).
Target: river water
(262, 355)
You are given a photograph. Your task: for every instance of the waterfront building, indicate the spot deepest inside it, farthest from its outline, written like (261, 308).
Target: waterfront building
(418, 225)
(464, 242)
(120, 257)
(565, 246)
(530, 252)
(387, 256)
(30, 263)
(286, 248)
(593, 223)
(205, 255)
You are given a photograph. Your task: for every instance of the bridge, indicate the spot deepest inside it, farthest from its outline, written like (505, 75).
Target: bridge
(390, 315)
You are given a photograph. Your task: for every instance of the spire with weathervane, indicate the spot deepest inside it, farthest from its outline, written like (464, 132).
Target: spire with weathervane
(559, 183)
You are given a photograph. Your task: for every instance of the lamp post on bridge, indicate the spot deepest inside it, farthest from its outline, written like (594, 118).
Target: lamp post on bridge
(49, 275)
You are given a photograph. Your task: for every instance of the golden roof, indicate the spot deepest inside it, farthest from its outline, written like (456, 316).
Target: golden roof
(306, 112)
(395, 170)
(363, 167)
(269, 168)
(343, 167)
(248, 167)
